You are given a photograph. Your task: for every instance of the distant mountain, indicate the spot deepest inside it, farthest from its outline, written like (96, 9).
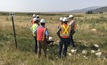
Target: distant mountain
(84, 9)
(99, 10)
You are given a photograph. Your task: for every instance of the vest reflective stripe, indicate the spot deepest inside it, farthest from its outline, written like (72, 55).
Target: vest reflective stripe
(44, 35)
(64, 31)
(41, 33)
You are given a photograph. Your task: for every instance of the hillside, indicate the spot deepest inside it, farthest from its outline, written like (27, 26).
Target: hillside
(102, 9)
(84, 9)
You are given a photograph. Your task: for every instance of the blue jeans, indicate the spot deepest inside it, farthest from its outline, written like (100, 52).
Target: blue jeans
(35, 44)
(72, 41)
(65, 42)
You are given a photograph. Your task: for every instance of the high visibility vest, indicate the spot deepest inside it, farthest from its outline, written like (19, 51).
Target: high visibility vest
(34, 27)
(64, 31)
(41, 33)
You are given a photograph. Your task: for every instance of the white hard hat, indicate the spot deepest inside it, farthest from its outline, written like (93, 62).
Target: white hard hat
(42, 21)
(50, 38)
(65, 19)
(70, 16)
(37, 15)
(34, 15)
(35, 19)
(61, 18)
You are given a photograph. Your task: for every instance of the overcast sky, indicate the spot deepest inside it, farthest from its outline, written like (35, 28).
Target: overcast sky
(48, 5)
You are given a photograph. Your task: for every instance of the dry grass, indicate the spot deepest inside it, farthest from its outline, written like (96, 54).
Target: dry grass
(24, 55)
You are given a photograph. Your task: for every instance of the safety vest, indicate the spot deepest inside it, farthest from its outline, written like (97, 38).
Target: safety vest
(34, 27)
(64, 31)
(41, 33)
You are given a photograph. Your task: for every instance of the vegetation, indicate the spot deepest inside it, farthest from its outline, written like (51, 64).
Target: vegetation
(91, 29)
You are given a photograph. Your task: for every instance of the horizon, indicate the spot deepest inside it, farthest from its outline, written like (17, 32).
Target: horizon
(48, 6)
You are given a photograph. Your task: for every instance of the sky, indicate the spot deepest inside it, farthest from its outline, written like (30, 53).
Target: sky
(48, 5)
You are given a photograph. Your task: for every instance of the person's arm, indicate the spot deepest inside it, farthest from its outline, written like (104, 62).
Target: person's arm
(47, 33)
(58, 32)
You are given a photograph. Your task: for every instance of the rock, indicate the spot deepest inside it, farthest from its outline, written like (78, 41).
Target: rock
(84, 52)
(69, 54)
(96, 45)
(93, 30)
(98, 54)
(73, 50)
(92, 51)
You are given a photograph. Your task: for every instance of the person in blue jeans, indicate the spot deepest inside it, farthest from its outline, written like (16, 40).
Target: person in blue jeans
(33, 29)
(63, 33)
(72, 23)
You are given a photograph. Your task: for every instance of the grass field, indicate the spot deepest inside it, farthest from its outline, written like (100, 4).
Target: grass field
(91, 29)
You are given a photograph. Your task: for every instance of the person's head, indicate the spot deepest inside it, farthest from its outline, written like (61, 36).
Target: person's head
(33, 15)
(65, 20)
(61, 18)
(37, 16)
(71, 16)
(36, 20)
(42, 22)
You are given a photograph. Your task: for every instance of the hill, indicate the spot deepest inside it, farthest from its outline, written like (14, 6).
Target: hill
(99, 10)
(84, 9)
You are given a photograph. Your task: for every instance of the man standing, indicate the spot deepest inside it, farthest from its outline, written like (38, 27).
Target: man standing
(60, 23)
(42, 37)
(32, 20)
(63, 33)
(72, 23)
(34, 30)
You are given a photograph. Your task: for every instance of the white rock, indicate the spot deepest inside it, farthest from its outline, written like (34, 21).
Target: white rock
(98, 54)
(69, 54)
(85, 57)
(96, 45)
(92, 51)
(47, 49)
(93, 30)
(73, 50)
(84, 52)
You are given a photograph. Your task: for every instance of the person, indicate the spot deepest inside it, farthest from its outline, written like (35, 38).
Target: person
(60, 23)
(42, 37)
(32, 20)
(38, 17)
(33, 29)
(72, 23)
(50, 41)
(63, 33)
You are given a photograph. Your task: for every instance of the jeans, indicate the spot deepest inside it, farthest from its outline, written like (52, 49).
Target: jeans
(42, 46)
(35, 44)
(65, 42)
(72, 32)
(72, 41)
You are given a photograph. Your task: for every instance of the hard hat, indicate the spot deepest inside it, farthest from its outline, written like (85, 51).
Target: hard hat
(35, 19)
(50, 38)
(37, 15)
(34, 15)
(42, 21)
(61, 18)
(65, 19)
(71, 16)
